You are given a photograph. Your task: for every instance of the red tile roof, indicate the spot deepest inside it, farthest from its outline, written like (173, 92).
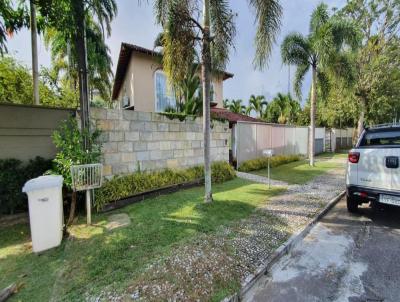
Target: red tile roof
(123, 62)
(231, 116)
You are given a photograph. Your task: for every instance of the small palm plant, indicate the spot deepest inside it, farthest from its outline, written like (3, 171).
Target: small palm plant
(236, 106)
(323, 50)
(257, 104)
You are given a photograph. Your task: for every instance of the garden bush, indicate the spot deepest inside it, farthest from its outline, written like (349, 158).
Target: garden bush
(262, 162)
(13, 175)
(124, 186)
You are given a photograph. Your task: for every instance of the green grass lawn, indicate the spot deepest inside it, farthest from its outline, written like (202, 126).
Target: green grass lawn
(94, 258)
(300, 172)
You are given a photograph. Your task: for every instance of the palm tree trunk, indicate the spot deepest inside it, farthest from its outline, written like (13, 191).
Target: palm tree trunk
(35, 68)
(79, 11)
(360, 123)
(311, 142)
(72, 209)
(205, 73)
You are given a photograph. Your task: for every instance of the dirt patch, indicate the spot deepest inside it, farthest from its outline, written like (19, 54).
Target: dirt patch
(117, 221)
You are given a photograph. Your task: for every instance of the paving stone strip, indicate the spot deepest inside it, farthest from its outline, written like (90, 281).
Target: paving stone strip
(261, 179)
(232, 254)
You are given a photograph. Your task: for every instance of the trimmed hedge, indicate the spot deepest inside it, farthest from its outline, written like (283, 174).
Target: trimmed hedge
(124, 186)
(13, 175)
(262, 162)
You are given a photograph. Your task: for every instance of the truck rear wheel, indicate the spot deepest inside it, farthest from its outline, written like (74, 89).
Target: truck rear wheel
(352, 204)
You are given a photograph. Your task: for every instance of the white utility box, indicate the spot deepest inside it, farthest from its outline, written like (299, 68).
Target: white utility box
(45, 211)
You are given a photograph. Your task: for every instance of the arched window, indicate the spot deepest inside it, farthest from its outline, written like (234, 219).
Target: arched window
(164, 94)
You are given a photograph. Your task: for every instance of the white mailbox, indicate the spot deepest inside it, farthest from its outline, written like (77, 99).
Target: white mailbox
(45, 211)
(268, 152)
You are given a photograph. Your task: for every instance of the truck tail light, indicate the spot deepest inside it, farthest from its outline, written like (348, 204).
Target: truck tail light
(354, 157)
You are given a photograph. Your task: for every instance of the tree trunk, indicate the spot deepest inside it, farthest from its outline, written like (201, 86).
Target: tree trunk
(79, 11)
(311, 140)
(205, 72)
(35, 68)
(360, 123)
(72, 209)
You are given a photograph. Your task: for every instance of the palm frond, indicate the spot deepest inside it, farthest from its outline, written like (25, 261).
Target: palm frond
(161, 11)
(345, 32)
(299, 77)
(105, 11)
(223, 32)
(323, 84)
(296, 49)
(268, 20)
(179, 42)
(319, 18)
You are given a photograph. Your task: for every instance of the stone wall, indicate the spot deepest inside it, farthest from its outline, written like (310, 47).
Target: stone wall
(135, 140)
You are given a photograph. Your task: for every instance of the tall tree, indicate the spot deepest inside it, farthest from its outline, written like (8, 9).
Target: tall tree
(322, 51)
(69, 16)
(64, 58)
(257, 104)
(35, 65)
(379, 21)
(210, 28)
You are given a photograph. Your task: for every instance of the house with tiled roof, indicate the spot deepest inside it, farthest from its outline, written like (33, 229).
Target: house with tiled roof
(140, 83)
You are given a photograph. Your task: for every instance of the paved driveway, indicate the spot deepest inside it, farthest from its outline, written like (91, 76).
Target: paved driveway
(345, 258)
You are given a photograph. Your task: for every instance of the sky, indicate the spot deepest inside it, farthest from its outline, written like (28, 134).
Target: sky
(135, 24)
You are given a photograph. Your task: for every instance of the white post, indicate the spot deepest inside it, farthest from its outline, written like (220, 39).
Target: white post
(269, 176)
(88, 208)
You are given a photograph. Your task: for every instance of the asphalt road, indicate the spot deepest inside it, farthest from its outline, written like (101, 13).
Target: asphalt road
(346, 257)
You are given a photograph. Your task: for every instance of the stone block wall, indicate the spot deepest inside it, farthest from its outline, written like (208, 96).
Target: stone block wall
(135, 140)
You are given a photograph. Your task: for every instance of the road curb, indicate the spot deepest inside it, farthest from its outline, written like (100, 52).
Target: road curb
(284, 249)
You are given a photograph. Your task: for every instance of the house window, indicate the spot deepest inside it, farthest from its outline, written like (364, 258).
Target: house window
(199, 92)
(165, 96)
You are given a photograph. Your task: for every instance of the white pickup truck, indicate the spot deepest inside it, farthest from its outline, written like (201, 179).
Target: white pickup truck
(373, 173)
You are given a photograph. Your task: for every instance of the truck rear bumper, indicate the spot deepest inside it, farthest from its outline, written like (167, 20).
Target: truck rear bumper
(363, 194)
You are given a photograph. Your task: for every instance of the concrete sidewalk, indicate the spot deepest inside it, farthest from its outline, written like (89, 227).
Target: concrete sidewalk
(344, 258)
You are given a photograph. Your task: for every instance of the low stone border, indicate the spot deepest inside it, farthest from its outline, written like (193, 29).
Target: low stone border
(284, 249)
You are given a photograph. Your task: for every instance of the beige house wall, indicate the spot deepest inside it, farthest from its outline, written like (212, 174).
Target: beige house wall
(139, 83)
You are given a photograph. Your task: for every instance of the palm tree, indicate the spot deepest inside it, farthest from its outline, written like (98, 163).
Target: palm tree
(283, 109)
(35, 67)
(183, 32)
(70, 17)
(257, 104)
(322, 51)
(64, 58)
(225, 103)
(237, 107)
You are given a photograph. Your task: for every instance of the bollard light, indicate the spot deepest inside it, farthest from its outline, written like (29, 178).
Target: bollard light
(268, 153)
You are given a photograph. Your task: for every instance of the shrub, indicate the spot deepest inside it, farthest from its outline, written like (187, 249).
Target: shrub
(262, 162)
(124, 186)
(13, 175)
(69, 142)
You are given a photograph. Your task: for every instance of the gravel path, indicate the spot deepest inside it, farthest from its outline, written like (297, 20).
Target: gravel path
(229, 257)
(261, 179)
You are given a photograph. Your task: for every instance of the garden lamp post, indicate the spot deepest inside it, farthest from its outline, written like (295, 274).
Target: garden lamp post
(268, 153)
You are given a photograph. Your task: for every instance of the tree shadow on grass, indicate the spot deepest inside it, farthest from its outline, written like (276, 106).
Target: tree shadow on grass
(113, 258)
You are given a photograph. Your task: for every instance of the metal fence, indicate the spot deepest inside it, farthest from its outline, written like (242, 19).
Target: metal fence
(343, 138)
(250, 139)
